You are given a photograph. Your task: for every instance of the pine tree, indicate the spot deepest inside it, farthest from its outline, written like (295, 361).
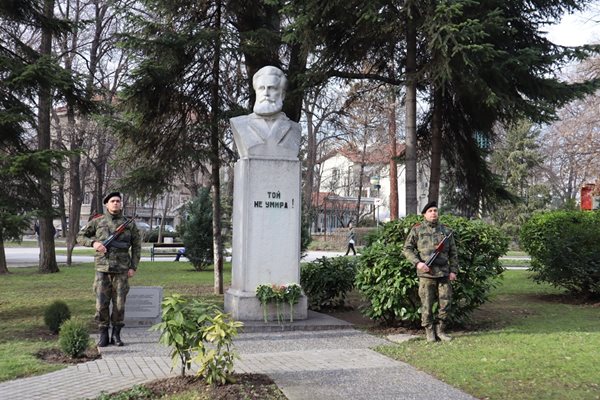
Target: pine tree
(198, 230)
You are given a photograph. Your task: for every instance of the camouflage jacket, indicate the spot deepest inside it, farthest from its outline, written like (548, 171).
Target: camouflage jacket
(421, 242)
(118, 258)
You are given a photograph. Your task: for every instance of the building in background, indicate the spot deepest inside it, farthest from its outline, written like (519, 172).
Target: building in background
(351, 179)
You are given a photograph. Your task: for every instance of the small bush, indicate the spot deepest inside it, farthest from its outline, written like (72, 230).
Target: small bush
(389, 282)
(137, 392)
(327, 280)
(74, 338)
(197, 230)
(152, 236)
(193, 327)
(56, 313)
(564, 250)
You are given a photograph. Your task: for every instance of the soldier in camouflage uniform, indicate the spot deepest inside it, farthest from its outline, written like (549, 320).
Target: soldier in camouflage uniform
(434, 280)
(114, 266)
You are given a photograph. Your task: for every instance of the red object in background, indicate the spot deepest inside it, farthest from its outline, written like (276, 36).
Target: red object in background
(586, 196)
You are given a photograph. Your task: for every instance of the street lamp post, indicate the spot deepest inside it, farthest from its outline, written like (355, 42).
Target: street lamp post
(375, 183)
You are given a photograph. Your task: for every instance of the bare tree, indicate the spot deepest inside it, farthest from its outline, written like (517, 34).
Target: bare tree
(322, 108)
(571, 148)
(90, 50)
(365, 124)
(571, 143)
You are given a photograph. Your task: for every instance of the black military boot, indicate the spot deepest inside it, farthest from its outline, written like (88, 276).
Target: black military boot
(116, 336)
(103, 341)
(430, 334)
(440, 330)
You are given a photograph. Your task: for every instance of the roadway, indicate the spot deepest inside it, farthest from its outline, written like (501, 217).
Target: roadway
(29, 256)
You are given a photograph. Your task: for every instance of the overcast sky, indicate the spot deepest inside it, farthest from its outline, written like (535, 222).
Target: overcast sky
(577, 29)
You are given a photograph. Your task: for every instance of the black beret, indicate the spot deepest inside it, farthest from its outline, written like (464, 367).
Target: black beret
(428, 206)
(112, 194)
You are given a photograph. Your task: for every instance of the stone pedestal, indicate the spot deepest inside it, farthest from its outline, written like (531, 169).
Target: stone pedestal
(266, 234)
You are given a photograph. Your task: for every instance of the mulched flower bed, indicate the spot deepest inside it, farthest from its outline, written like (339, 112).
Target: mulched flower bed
(56, 356)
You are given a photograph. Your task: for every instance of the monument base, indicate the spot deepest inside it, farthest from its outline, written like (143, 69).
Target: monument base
(245, 306)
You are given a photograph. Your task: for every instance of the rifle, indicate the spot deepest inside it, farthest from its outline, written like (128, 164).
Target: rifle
(120, 229)
(439, 248)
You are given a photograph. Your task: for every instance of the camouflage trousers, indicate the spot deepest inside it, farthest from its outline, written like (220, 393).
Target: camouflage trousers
(430, 291)
(110, 287)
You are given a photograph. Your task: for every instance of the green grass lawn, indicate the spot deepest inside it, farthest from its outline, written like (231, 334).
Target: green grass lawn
(529, 342)
(24, 294)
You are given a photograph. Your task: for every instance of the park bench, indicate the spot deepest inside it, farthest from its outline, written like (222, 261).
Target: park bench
(165, 249)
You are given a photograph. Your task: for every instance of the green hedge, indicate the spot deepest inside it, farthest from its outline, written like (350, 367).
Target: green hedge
(565, 250)
(326, 281)
(389, 282)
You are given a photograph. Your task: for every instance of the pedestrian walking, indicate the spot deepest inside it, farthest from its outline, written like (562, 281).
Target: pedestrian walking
(351, 239)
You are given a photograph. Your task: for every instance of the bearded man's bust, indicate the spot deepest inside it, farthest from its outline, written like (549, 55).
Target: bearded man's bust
(267, 133)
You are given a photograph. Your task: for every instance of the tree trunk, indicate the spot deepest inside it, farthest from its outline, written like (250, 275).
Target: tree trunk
(3, 265)
(75, 136)
(99, 168)
(260, 21)
(411, 116)
(161, 229)
(152, 213)
(75, 205)
(47, 252)
(394, 213)
(60, 198)
(360, 175)
(311, 160)
(215, 162)
(436, 147)
(294, 94)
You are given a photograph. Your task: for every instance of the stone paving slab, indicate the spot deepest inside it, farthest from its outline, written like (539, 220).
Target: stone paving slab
(317, 360)
(398, 382)
(138, 367)
(66, 384)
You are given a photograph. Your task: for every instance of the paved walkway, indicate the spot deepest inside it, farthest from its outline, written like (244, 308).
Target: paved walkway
(305, 364)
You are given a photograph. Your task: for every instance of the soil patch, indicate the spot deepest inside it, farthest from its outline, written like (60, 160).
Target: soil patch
(350, 312)
(35, 334)
(564, 298)
(245, 386)
(56, 356)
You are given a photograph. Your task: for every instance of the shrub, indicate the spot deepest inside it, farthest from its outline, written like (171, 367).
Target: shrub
(152, 236)
(74, 338)
(327, 280)
(55, 314)
(389, 282)
(215, 350)
(564, 250)
(191, 326)
(137, 392)
(197, 230)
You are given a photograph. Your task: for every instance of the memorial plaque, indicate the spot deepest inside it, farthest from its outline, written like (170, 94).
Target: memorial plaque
(143, 305)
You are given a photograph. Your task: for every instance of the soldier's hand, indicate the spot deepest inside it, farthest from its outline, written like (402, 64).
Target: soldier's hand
(99, 247)
(452, 276)
(421, 266)
(130, 273)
